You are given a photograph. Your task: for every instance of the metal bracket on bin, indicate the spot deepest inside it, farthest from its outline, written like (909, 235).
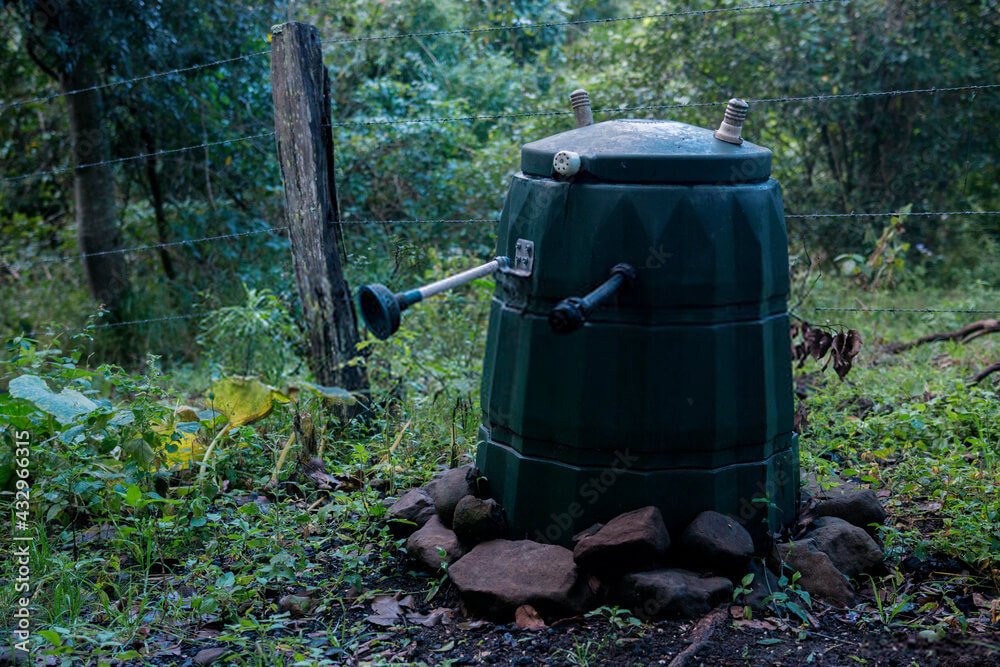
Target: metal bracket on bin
(524, 259)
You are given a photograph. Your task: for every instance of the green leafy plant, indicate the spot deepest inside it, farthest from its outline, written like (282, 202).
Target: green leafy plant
(890, 600)
(790, 599)
(620, 619)
(255, 337)
(881, 268)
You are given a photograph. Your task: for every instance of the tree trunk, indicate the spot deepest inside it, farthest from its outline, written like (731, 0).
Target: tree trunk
(94, 191)
(300, 88)
(156, 195)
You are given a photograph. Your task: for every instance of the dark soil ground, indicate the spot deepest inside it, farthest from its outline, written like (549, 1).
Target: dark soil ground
(591, 641)
(341, 632)
(841, 638)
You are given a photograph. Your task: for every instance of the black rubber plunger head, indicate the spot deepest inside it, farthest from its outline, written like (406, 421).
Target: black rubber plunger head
(380, 310)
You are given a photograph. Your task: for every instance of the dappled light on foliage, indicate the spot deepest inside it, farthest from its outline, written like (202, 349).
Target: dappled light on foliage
(198, 496)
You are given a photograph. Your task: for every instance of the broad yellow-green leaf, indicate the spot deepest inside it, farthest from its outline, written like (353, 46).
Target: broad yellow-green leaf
(185, 438)
(243, 400)
(65, 406)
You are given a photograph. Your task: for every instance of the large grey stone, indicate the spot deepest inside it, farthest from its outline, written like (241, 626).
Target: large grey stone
(672, 593)
(716, 542)
(450, 486)
(413, 509)
(860, 507)
(497, 577)
(478, 520)
(819, 575)
(850, 548)
(425, 542)
(632, 541)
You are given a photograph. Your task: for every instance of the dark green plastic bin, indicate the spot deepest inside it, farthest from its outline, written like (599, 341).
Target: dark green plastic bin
(678, 393)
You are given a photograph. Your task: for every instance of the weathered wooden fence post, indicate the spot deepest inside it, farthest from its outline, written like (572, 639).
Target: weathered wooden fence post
(300, 87)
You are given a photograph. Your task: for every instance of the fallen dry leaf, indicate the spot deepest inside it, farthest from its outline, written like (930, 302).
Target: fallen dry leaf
(473, 625)
(526, 617)
(392, 609)
(207, 656)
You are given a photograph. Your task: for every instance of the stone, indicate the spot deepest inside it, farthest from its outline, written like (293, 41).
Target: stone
(424, 543)
(819, 575)
(413, 509)
(450, 486)
(718, 543)
(587, 532)
(497, 577)
(860, 507)
(850, 548)
(478, 520)
(672, 593)
(636, 540)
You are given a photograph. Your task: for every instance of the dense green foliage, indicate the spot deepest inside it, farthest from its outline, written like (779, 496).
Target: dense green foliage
(931, 152)
(129, 539)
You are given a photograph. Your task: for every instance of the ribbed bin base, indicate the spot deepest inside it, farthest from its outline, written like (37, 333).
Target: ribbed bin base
(549, 501)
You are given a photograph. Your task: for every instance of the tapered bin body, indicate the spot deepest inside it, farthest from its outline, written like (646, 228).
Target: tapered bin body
(678, 392)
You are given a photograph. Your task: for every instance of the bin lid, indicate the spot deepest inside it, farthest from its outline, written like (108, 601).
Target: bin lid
(650, 151)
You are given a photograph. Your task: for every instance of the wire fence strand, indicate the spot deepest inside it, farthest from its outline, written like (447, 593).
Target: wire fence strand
(822, 97)
(887, 214)
(963, 311)
(140, 156)
(465, 301)
(525, 114)
(419, 221)
(150, 320)
(137, 79)
(154, 246)
(426, 221)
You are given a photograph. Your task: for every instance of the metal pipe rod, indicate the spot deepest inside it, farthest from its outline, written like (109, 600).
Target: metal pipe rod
(451, 282)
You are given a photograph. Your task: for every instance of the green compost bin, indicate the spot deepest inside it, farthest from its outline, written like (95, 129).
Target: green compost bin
(678, 391)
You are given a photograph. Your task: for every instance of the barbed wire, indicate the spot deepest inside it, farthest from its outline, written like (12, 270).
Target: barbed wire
(140, 156)
(236, 235)
(465, 300)
(460, 300)
(420, 221)
(964, 311)
(660, 107)
(150, 320)
(450, 119)
(137, 79)
(153, 246)
(883, 93)
(573, 22)
(890, 214)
